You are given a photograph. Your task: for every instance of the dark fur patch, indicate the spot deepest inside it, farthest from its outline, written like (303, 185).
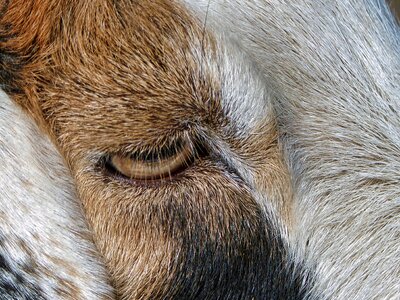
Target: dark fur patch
(13, 282)
(10, 61)
(252, 266)
(9, 67)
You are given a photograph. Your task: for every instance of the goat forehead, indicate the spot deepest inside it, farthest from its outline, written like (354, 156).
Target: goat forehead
(183, 69)
(148, 56)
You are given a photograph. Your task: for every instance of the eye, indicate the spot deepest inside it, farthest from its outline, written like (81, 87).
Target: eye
(154, 164)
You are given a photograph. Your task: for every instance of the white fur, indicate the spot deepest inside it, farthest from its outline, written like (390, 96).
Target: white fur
(334, 69)
(43, 235)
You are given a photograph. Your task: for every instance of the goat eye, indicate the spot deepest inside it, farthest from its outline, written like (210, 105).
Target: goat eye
(154, 164)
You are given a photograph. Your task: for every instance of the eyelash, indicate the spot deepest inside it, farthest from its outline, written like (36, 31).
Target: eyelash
(156, 165)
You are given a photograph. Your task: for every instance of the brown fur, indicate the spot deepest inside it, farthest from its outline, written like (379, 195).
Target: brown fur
(395, 6)
(111, 77)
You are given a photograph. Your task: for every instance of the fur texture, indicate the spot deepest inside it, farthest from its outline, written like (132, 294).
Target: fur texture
(46, 250)
(334, 69)
(294, 193)
(119, 77)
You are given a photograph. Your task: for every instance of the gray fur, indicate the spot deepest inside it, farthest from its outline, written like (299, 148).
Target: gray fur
(45, 246)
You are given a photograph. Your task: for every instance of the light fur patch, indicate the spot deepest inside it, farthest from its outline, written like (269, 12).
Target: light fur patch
(334, 68)
(247, 100)
(46, 249)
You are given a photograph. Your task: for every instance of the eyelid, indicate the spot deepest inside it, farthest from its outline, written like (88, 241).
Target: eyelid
(153, 165)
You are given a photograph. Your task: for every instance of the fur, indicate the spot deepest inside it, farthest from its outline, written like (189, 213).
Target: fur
(295, 105)
(334, 69)
(46, 250)
(152, 74)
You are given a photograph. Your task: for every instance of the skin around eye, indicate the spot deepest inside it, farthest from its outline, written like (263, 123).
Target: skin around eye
(154, 165)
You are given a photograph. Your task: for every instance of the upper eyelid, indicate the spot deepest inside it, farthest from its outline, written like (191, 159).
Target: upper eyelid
(160, 152)
(185, 137)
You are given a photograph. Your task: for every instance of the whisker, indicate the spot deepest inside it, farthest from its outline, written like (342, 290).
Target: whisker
(203, 36)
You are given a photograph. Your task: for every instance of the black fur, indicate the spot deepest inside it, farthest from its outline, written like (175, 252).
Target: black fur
(14, 284)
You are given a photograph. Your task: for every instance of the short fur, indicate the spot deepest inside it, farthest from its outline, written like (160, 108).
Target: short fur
(318, 80)
(108, 78)
(46, 250)
(335, 71)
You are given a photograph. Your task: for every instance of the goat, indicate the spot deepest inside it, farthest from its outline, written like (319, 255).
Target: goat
(220, 149)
